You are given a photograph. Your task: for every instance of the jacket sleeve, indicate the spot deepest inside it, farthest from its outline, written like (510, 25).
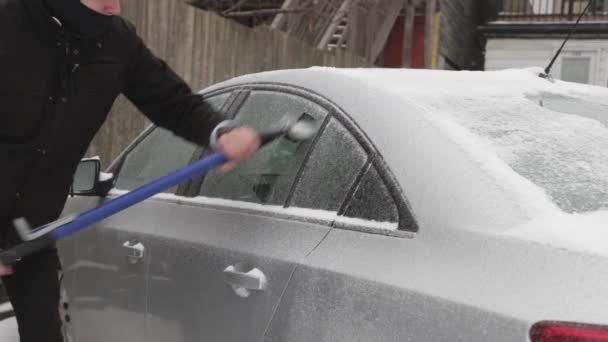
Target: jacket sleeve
(165, 98)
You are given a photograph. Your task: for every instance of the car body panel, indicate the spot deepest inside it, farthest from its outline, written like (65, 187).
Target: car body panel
(188, 295)
(466, 273)
(107, 293)
(468, 286)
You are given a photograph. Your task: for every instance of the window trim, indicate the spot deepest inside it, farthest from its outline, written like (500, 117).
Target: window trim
(116, 165)
(353, 188)
(280, 212)
(313, 145)
(407, 225)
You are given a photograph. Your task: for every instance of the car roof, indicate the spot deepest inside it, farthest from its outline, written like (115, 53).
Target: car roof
(450, 178)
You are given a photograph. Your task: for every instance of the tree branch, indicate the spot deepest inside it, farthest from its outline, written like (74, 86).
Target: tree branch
(234, 7)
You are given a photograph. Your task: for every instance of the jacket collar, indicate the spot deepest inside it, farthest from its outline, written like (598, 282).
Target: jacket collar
(50, 30)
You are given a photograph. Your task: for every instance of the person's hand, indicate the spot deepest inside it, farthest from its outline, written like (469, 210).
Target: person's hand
(237, 145)
(5, 270)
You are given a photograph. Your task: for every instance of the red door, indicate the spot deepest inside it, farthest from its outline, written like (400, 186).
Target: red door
(418, 43)
(392, 56)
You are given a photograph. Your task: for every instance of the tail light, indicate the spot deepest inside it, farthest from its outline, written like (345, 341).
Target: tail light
(568, 332)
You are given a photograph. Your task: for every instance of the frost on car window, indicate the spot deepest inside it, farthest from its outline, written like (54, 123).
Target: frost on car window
(559, 143)
(158, 154)
(217, 101)
(372, 200)
(330, 171)
(268, 175)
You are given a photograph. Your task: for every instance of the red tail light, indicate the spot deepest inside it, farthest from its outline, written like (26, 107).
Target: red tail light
(568, 332)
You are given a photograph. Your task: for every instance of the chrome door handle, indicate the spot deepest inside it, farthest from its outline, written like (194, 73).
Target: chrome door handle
(137, 251)
(244, 279)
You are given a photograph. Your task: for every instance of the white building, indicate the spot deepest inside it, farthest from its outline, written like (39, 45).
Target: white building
(530, 32)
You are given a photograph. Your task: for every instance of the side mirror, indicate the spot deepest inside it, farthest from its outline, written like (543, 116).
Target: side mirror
(89, 180)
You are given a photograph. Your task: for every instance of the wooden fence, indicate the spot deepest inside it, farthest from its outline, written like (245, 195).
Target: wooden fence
(204, 48)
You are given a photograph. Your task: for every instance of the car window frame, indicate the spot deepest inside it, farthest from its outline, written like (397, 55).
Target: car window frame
(407, 225)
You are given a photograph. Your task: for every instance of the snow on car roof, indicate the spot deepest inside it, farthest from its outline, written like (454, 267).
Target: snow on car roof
(540, 129)
(543, 143)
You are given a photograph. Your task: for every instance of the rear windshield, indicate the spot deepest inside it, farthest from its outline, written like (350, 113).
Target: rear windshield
(558, 142)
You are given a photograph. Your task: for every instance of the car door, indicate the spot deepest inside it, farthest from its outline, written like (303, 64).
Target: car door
(106, 265)
(223, 258)
(325, 300)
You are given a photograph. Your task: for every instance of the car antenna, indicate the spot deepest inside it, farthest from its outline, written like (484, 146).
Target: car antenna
(547, 73)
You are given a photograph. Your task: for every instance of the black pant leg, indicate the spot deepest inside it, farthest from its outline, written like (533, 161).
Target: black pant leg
(33, 290)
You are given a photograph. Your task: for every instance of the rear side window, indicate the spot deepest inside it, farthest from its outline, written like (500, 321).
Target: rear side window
(339, 177)
(372, 200)
(267, 177)
(331, 170)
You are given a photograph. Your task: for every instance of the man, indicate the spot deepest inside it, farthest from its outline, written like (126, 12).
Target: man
(62, 65)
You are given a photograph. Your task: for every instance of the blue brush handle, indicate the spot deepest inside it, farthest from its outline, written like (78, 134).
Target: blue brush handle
(120, 203)
(110, 208)
(135, 196)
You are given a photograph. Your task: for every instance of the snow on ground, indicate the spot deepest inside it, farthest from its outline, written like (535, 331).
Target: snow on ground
(4, 307)
(8, 327)
(8, 330)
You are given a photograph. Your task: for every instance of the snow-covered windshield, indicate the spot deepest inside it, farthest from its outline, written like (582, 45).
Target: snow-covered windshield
(558, 142)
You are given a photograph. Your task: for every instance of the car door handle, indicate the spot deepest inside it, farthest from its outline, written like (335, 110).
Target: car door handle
(243, 279)
(136, 251)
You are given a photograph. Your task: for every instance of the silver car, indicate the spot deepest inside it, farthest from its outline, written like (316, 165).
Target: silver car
(430, 206)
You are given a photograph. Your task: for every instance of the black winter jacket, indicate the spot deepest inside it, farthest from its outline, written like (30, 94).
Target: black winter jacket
(55, 92)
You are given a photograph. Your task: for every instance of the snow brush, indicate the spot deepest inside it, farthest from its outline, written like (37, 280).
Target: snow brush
(42, 237)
